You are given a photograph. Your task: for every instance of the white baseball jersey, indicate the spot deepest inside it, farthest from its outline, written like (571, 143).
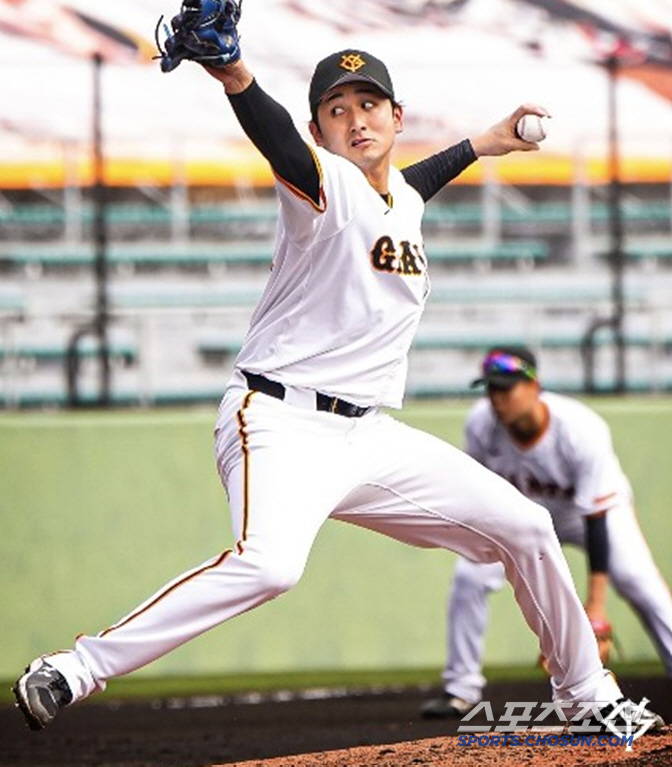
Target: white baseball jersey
(326, 321)
(571, 468)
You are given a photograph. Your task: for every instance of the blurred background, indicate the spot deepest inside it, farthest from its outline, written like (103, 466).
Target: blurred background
(136, 222)
(136, 233)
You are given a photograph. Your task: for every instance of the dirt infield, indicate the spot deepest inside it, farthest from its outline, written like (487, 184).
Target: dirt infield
(348, 728)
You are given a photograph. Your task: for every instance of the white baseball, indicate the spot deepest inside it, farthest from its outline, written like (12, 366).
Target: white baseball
(531, 128)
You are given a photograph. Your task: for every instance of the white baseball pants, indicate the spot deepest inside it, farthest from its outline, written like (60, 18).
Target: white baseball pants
(286, 470)
(632, 572)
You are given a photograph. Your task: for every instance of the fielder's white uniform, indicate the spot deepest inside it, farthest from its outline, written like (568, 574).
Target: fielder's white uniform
(573, 471)
(347, 288)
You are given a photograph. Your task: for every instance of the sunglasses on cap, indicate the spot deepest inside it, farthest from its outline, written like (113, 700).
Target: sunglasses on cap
(506, 364)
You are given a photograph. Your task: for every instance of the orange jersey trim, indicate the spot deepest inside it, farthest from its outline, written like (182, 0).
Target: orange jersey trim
(242, 431)
(603, 503)
(245, 448)
(322, 205)
(604, 498)
(169, 590)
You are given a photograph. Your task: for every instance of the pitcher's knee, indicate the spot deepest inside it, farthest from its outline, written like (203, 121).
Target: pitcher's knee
(276, 576)
(535, 529)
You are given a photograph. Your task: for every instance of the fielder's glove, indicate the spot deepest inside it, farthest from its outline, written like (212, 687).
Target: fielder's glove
(605, 641)
(605, 638)
(204, 31)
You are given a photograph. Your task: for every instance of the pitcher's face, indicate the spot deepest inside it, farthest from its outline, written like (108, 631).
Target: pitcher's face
(358, 122)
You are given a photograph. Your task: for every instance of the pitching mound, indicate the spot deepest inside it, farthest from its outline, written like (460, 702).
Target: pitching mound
(348, 728)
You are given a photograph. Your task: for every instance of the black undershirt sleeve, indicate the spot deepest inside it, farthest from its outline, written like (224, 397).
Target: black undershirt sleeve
(430, 175)
(271, 129)
(597, 544)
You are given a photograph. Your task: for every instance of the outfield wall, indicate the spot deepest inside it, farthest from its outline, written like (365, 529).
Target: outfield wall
(101, 509)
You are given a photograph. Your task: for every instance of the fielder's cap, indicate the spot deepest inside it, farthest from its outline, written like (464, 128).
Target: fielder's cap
(346, 67)
(503, 366)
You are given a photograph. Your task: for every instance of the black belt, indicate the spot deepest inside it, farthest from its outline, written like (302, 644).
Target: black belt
(322, 401)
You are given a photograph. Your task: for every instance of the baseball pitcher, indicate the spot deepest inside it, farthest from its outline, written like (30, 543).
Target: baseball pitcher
(301, 435)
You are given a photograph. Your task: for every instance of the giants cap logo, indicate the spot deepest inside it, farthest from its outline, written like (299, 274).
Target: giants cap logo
(346, 67)
(352, 62)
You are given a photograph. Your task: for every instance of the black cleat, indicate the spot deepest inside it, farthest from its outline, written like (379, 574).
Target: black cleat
(626, 712)
(40, 693)
(622, 718)
(446, 707)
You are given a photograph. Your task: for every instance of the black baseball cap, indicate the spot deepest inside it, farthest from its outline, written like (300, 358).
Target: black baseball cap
(503, 366)
(346, 67)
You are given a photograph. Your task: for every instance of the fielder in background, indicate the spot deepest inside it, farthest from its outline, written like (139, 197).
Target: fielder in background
(301, 435)
(558, 452)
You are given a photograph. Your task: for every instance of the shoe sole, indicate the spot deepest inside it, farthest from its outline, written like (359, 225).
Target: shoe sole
(21, 697)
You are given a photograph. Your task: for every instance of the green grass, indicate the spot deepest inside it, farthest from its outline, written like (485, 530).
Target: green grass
(139, 688)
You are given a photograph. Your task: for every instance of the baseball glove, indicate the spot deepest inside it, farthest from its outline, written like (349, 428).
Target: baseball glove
(605, 638)
(204, 31)
(605, 641)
